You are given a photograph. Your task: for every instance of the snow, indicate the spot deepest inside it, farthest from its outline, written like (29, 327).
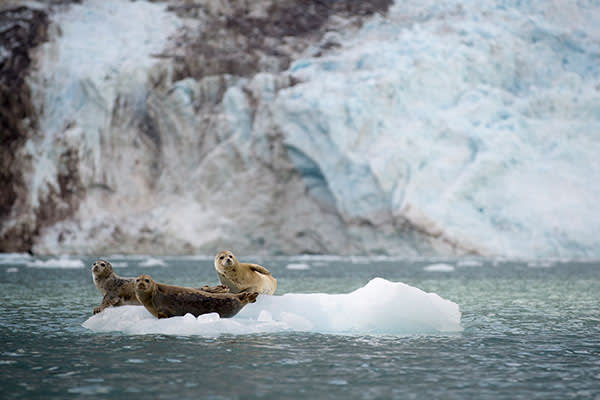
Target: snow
(441, 267)
(379, 307)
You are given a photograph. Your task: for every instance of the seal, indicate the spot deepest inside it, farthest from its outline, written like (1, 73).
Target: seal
(115, 290)
(120, 291)
(165, 301)
(243, 277)
(214, 289)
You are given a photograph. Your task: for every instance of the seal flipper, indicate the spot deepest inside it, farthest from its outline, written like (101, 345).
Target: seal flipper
(214, 289)
(106, 302)
(258, 268)
(250, 297)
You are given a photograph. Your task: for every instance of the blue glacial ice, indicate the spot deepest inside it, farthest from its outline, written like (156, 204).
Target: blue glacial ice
(474, 121)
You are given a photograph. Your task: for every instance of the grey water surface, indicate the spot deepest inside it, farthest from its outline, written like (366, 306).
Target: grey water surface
(531, 330)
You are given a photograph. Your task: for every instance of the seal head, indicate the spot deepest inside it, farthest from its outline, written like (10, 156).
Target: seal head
(101, 269)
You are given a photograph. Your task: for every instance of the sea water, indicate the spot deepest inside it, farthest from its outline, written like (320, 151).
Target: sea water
(527, 329)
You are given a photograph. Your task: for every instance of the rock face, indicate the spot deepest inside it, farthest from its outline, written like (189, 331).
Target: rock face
(287, 127)
(21, 29)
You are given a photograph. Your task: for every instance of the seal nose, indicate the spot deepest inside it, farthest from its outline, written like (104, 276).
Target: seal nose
(95, 268)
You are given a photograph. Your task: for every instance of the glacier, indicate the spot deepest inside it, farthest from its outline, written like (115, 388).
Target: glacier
(457, 128)
(478, 124)
(379, 307)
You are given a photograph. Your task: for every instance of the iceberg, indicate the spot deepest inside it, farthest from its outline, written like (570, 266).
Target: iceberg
(440, 267)
(379, 307)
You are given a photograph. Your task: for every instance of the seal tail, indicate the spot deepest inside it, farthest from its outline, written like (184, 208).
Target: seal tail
(248, 297)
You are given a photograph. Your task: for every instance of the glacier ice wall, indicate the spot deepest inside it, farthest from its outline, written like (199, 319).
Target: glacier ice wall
(476, 122)
(463, 127)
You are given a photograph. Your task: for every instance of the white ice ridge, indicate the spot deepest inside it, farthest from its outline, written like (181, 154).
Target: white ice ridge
(380, 307)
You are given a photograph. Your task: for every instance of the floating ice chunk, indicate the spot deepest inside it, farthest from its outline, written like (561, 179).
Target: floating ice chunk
(14, 258)
(469, 263)
(540, 264)
(439, 268)
(380, 307)
(136, 320)
(12, 270)
(61, 262)
(298, 266)
(153, 262)
(120, 264)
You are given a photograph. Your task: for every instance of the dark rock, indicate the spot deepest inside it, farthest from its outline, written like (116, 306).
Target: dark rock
(21, 29)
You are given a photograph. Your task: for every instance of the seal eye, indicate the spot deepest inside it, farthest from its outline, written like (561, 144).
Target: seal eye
(146, 280)
(102, 264)
(222, 257)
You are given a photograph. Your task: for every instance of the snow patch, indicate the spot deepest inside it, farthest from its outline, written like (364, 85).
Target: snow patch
(380, 307)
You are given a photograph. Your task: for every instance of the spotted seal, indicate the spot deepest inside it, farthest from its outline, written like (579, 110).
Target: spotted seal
(120, 291)
(115, 290)
(165, 301)
(243, 277)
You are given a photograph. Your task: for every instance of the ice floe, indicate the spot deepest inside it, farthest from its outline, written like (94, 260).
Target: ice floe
(379, 307)
(439, 268)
